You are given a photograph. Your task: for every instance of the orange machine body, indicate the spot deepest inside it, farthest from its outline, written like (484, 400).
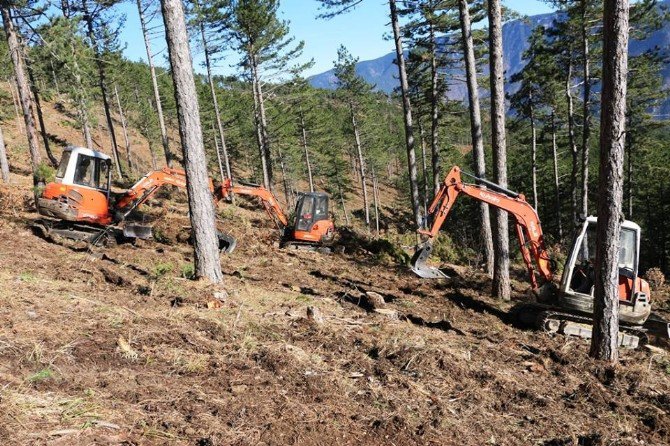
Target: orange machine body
(312, 223)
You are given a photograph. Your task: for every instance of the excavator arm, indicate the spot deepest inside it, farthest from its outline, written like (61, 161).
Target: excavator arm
(267, 198)
(148, 185)
(528, 228)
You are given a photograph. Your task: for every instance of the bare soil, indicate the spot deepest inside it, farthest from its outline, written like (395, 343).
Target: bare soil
(114, 346)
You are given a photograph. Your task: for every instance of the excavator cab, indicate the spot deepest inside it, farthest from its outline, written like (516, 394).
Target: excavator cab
(80, 191)
(577, 283)
(312, 219)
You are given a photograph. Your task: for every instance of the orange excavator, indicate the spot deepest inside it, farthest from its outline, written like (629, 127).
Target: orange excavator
(567, 308)
(79, 204)
(312, 227)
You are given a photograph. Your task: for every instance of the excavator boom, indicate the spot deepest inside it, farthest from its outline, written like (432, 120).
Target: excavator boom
(528, 228)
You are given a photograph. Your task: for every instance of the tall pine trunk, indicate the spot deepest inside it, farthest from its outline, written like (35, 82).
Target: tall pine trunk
(533, 150)
(215, 102)
(407, 108)
(476, 129)
(201, 205)
(129, 157)
(375, 198)
(434, 112)
(22, 85)
(572, 141)
(102, 83)
(308, 164)
(424, 165)
(261, 120)
(40, 116)
(586, 109)
(501, 281)
(4, 165)
(154, 82)
(557, 185)
(361, 164)
(604, 342)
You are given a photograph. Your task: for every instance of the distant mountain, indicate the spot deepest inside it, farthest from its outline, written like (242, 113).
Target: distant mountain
(383, 73)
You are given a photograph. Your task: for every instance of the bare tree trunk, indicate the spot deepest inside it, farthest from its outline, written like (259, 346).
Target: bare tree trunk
(361, 165)
(344, 206)
(501, 281)
(375, 198)
(154, 82)
(40, 116)
(476, 129)
(629, 169)
(201, 205)
(265, 152)
(610, 185)
(4, 165)
(125, 130)
(22, 85)
(586, 110)
(219, 162)
(304, 146)
(102, 83)
(434, 113)
(215, 101)
(13, 89)
(407, 107)
(557, 186)
(265, 162)
(425, 167)
(533, 150)
(571, 139)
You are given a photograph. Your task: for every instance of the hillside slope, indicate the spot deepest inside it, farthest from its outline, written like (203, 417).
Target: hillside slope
(114, 346)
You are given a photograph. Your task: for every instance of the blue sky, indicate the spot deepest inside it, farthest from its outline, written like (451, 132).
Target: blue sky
(362, 31)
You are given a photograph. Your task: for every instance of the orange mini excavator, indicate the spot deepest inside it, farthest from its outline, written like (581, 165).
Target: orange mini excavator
(79, 204)
(312, 227)
(566, 309)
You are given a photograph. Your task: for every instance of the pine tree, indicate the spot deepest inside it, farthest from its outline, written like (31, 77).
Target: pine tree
(201, 205)
(605, 338)
(264, 40)
(501, 281)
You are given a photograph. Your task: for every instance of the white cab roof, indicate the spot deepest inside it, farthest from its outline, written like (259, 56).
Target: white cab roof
(626, 224)
(87, 152)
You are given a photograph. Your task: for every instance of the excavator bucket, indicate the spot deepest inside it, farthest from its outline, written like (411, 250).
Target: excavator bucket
(419, 266)
(141, 232)
(227, 242)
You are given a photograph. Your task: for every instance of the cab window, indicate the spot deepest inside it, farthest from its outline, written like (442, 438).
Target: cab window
(91, 172)
(62, 167)
(321, 210)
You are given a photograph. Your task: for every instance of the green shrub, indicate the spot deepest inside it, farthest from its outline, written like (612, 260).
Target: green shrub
(188, 271)
(162, 268)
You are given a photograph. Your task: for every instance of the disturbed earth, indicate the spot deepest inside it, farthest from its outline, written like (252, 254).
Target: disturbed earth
(116, 346)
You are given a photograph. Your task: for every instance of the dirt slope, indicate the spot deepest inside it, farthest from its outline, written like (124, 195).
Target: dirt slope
(113, 346)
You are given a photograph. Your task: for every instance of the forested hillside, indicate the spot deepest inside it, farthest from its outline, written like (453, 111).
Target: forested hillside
(206, 246)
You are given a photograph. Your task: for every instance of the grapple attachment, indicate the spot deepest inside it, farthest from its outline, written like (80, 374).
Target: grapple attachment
(419, 266)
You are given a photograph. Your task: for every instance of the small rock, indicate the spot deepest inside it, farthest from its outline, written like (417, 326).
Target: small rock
(31, 314)
(391, 314)
(314, 315)
(221, 295)
(238, 389)
(374, 300)
(295, 288)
